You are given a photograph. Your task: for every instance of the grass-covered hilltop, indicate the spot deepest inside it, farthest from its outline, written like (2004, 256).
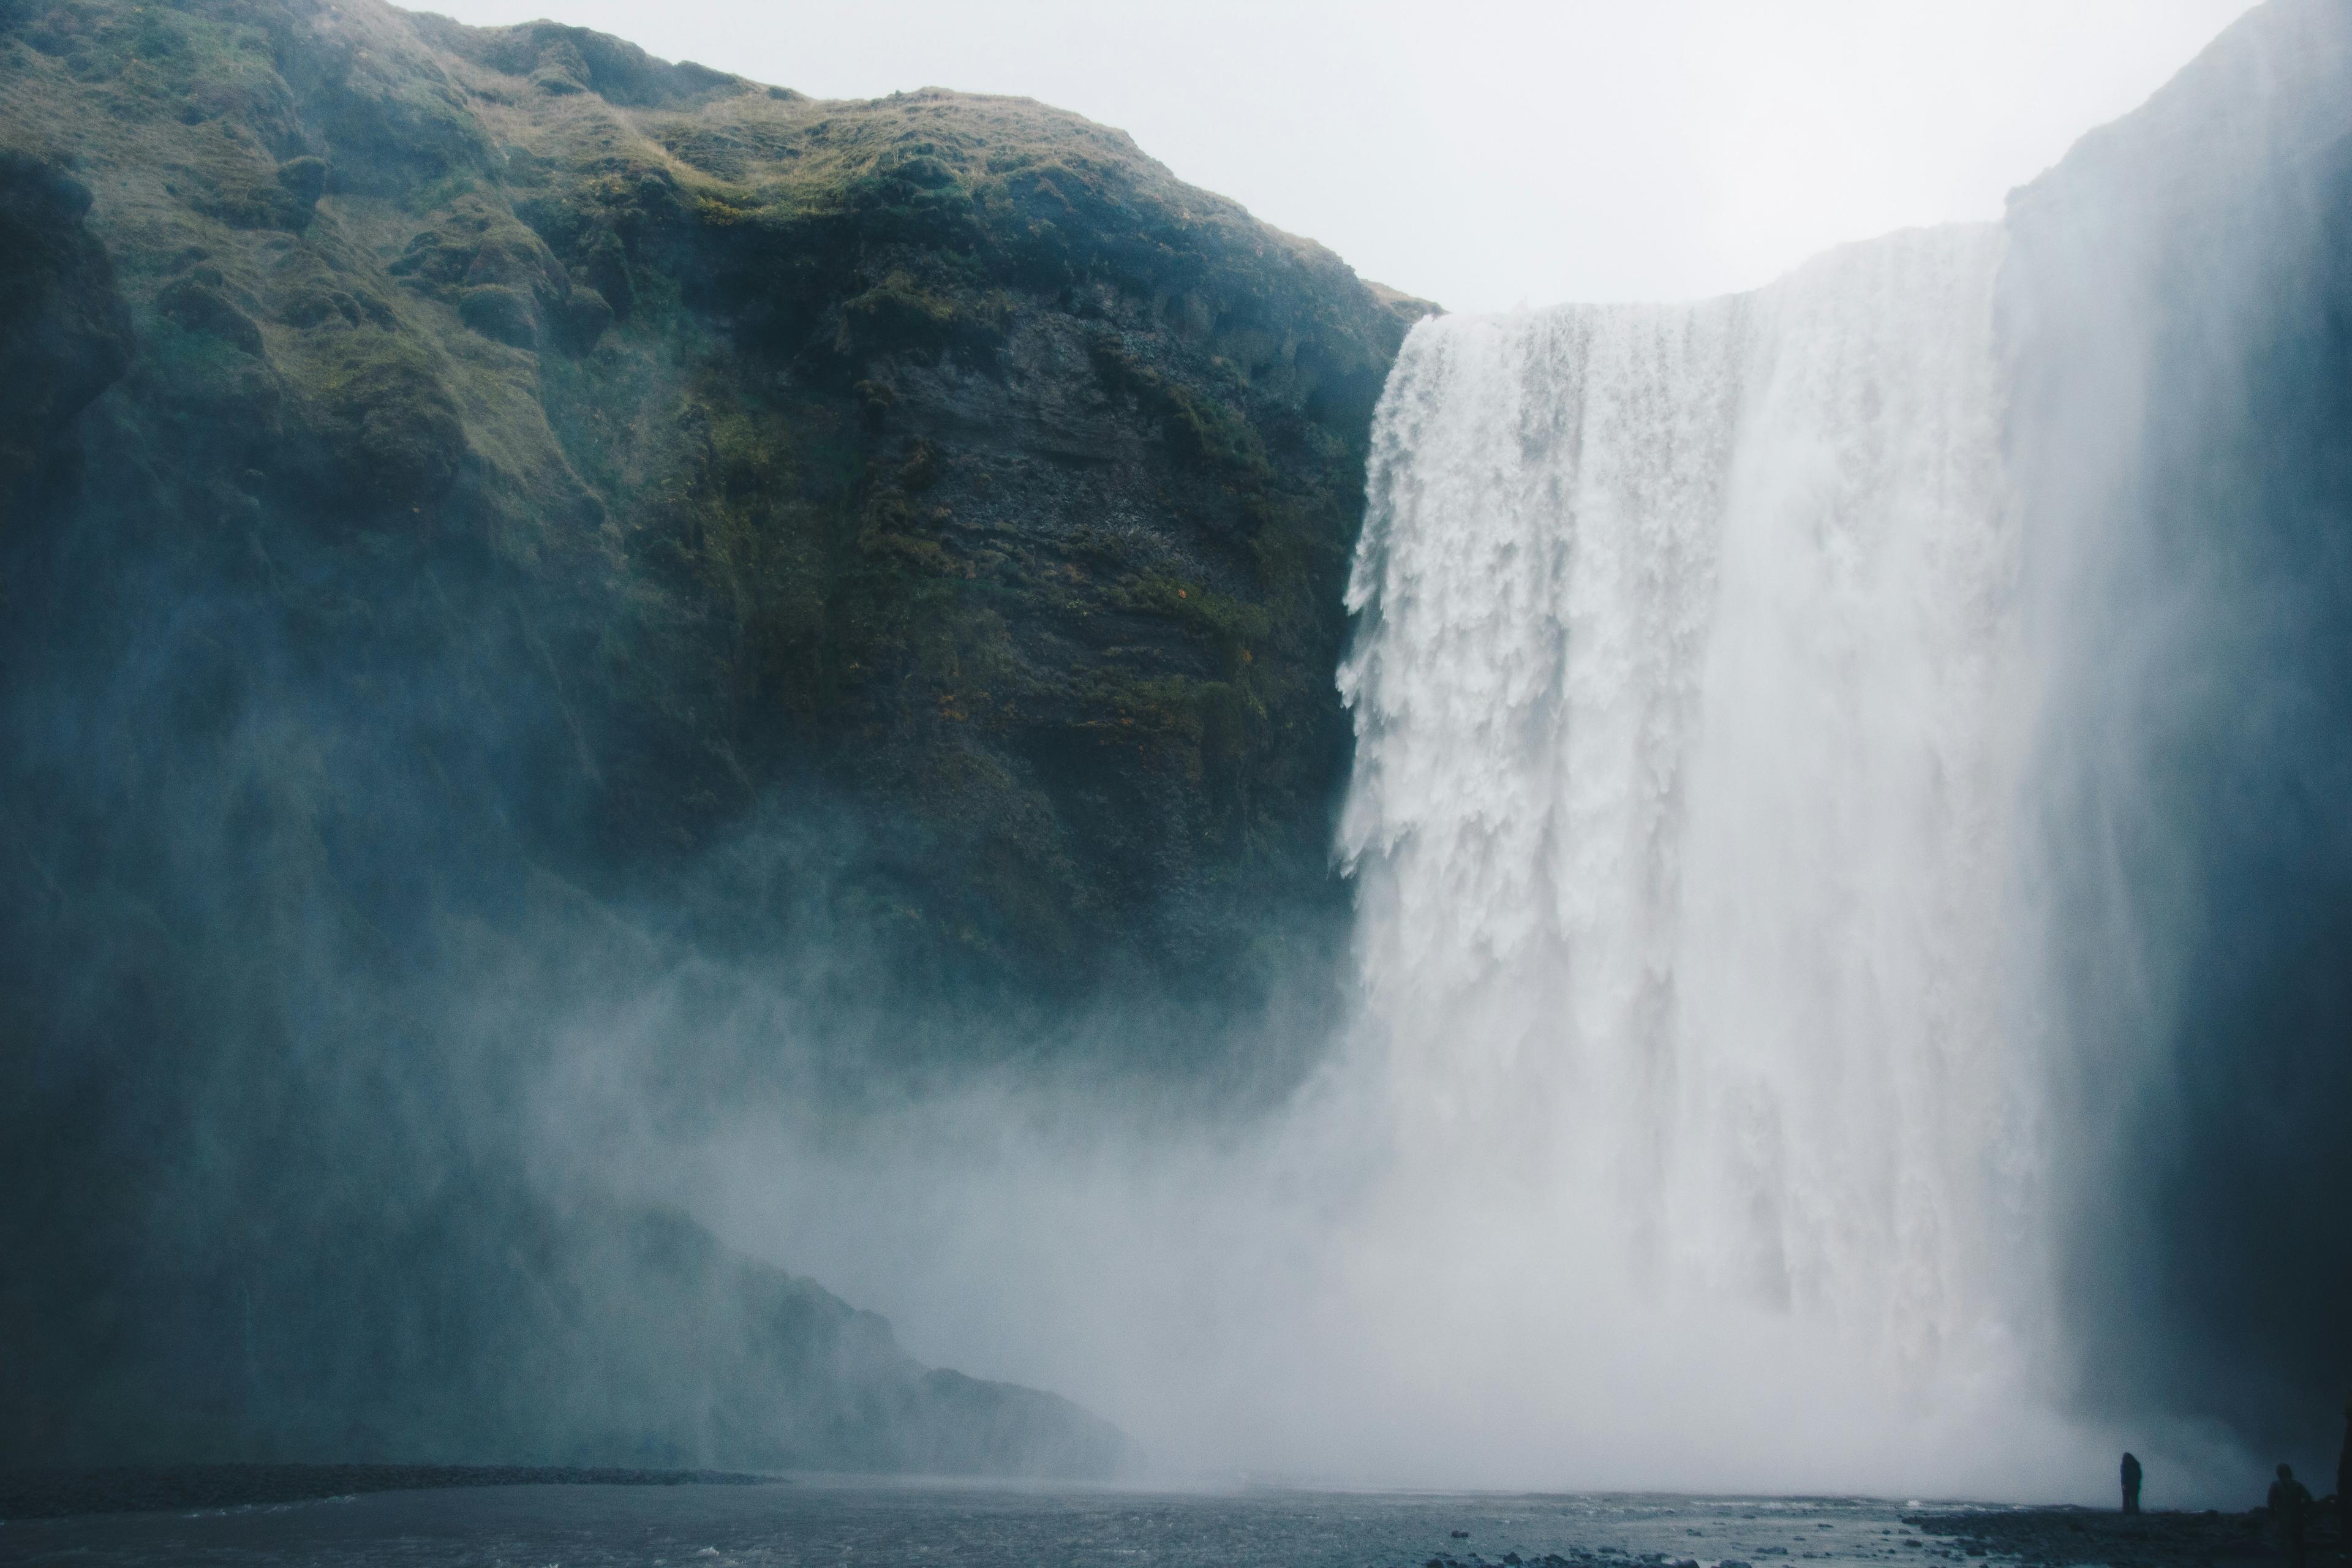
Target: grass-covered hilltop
(516, 556)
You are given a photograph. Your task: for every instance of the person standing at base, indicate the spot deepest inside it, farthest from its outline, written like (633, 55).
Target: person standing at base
(2290, 1504)
(2131, 1484)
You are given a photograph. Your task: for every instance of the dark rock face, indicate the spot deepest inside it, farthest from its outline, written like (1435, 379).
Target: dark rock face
(2181, 287)
(66, 335)
(574, 525)
(941, 453)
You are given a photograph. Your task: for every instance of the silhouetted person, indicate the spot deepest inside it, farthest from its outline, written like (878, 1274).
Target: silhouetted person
(2131, 1484)
(2290, 1506)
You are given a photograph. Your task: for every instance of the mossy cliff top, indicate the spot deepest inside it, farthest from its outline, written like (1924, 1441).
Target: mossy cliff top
(938, 462)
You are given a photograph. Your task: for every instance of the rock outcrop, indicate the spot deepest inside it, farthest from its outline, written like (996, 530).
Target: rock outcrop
(942, 453)
(66, 336)
(498, 525)
(2181, 291)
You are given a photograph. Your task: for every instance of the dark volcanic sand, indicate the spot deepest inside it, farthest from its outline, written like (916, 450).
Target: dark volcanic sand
(57, 1494)
(2055, 1537)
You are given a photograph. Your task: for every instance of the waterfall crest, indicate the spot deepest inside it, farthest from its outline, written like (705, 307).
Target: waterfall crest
(1683, 787)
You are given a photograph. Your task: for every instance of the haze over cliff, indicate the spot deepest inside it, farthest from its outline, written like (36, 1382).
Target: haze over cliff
(500, 527)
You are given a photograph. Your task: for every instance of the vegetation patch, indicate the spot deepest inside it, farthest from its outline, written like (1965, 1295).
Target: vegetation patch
(939, 453)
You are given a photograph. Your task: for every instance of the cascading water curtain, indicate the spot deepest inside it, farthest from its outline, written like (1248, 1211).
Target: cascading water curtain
(1682, 802)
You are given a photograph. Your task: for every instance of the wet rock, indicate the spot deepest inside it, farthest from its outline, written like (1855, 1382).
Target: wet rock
(65, 331)
(304, 181)
(505, 315)
(584, 315)
(200, 307)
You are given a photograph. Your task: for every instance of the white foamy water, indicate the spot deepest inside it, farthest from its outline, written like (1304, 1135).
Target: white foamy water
(1682, 795)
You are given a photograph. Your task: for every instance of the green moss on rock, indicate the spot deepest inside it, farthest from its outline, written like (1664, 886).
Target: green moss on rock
(938, 454)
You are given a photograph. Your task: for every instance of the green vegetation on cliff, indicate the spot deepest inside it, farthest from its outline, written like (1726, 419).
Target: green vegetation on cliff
(552, 599)
(939, 456)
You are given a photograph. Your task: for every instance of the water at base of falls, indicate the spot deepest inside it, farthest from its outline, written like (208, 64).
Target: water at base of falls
(1686, 727)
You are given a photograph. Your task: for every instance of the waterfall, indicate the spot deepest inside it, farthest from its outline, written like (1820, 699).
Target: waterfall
(1682, 804)
(1851, 874)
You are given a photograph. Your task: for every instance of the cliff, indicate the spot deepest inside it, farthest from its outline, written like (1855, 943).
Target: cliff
(2179, 294)
(498, 526)
(943, 453)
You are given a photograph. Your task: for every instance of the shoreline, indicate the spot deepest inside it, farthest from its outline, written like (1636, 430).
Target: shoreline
(2060, 1537)
(153, 1489)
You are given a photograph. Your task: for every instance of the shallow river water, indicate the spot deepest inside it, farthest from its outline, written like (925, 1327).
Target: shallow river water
(835, 1522)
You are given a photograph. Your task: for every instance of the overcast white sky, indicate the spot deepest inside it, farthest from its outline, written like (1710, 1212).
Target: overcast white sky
(1492, 153)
